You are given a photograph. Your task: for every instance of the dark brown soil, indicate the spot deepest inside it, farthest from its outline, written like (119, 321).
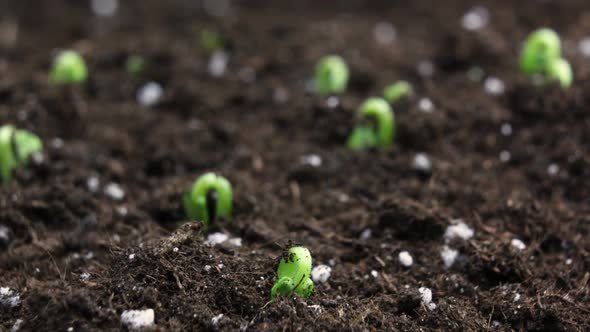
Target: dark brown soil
(59, 229)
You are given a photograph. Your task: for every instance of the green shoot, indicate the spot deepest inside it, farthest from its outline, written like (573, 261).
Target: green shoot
(293, 274)
(559, 70)
(134, 65)
(538, 50)
(331, 75)
(210, 197)
(16, 146)
(397, 90)
(68, 67)
(211, 40)
(366, 136)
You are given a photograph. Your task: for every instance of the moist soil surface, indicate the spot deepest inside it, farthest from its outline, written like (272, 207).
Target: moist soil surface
(515, 165)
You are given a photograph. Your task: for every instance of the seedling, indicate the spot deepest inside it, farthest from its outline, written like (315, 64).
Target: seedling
(68, 67)
(559, 70)
(397, 90)
(377, 133)
(211, 40)
(331, 75)
(293, 274)
(16, 146)
(210, 197)
(538, 50)
(134, 65)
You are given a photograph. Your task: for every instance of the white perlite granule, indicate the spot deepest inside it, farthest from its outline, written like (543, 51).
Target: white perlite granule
(448, 255)
(114, 191)
(9, 297)
(405, 259)
(518, 244)
(458, 230)
(426, 296)
(135, 319)
(149, 94)
(321, 273)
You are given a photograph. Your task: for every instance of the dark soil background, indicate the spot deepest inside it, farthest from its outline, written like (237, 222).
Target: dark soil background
(59, 229)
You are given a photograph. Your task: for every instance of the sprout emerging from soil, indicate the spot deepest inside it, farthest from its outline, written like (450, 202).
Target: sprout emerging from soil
(210, 197)
(16, 146)
(539, 48)
(134, 65)
(211, 40)
(377, 133)
(331, 75)
(397, 90)
(293, 274)
(559, 70)
(68, 67)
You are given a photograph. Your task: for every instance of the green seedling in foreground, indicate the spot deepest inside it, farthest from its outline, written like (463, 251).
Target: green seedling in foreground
(293, 274)
(210, 197)
(211, 40)
(16, 146)
(378, 133)
(397, 90)
(559, 70)
(331, 75)
(135, 65)
(68, 67)
(541, 47)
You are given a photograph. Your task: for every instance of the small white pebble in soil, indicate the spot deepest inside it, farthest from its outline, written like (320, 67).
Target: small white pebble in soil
(518, 244)
(131, 257)
(333, 101)
(280, 95)
(207, 268)
(4, 233)
(216, 238)
(321, 273)
(494, 86)
(422, 163)
(553, 169)
(584, 46)
(57, 143)
(448, 255)
(516, 297)
(366, 234)
(175, 249)
(312, 160)
(426, 105)
(316, 308)
(84, 276)
(235, 241)
(374, 274)
(220, 266)
(458, 230)
(136, 319)
(505, 156)
(506, 129)
(70, 329)
(384, 33)
(568, 261)
(425, 68)
(114, 191)
(16, 326)
(332, 262)
(105, 8)
(149, 94)
(9, 297)
(218, 63)
(475, 19)
(216, 319)
(405, 259)
(92, 183)
(426, 297)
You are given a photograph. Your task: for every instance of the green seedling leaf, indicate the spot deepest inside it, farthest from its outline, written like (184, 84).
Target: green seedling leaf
(16, 146)
(135, 65)
(211, 40)
(331, 75)
(379, 135)
(362, 137)
(397, 90)
(541, 46)
(559, 70)
(195, 201)
(68, 67)
(293, 274)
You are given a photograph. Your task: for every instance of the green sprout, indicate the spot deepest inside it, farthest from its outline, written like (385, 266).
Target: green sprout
(211, 40)
(293, 274)
(16, 146)
(68, 67)
(366, 135)
(331, 75)
(134, 65)
(559, 70)
(210, 197)
(541, 46)
(397, 90)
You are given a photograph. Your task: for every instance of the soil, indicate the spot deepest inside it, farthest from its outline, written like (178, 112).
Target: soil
(69, 244)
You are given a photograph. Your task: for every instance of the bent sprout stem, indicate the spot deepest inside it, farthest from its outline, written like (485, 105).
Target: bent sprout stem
(16, 146)
(195, 201)
(68, 67)
(331, 75)
(293, 274)
(540, 47)
(397, 90)
(559, 70)
(366, 136)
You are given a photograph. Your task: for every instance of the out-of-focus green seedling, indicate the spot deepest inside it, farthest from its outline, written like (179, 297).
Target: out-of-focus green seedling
(541, 46)
(559, 70)
(331, 75)
(68, 67)
(379, 132)
(135, 65)
(16, 146)
(397, 90)
(210, 197)
(211, 40)
(293, 274)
